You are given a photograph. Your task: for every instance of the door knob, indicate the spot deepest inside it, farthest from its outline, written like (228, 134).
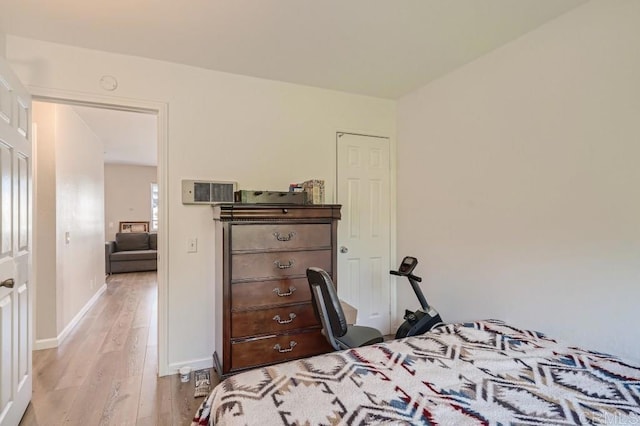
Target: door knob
(9, 282)
(343, 249)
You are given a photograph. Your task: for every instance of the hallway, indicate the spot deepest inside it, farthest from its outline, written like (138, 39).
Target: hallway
(104, 373)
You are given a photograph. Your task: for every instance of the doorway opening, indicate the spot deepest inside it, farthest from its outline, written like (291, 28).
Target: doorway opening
(131, 152)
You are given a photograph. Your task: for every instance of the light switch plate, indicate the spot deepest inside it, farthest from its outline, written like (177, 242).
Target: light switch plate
(192, 245)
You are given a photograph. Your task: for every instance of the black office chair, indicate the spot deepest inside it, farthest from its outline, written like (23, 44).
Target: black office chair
(334, 324)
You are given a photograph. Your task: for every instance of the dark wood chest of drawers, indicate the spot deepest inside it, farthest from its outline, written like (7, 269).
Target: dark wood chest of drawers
(263, 305)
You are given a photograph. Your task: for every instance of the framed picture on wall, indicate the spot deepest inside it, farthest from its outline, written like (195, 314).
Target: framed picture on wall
(134, 226)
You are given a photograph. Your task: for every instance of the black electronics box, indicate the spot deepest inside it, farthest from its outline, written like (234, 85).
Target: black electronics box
(270, 197)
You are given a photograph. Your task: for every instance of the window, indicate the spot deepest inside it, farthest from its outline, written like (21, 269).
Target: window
(154, 207)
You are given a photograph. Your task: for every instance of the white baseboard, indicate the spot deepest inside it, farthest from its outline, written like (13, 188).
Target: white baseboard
(55, 342)
(196, 364)
(45, 344)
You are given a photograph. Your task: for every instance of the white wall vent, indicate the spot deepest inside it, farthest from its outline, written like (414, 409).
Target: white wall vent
(207, 191)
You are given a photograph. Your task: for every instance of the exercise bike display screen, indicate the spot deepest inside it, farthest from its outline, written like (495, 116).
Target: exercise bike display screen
(408, 265)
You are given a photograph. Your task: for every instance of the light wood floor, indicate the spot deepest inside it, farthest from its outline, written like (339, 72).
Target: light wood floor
(105, 372)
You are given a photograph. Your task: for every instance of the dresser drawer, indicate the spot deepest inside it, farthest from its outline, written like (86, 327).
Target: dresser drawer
(275, 320)
(265, 293)
(253, 266)
(281, 236)
(240, 212)
(280, 348)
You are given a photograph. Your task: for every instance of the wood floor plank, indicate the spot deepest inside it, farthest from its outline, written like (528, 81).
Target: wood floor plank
(145, 308)
(118, 333)
(79, 365)
(56, 401)
(183, 404)
(121, 407)
(133, 354)
(92, 396)
(153, 329)
(151, 361)
(154, 421)
(45, 374)
(155, 397)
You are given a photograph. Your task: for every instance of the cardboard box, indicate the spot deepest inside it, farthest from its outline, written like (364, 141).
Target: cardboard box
(315, 191)
(350, 312)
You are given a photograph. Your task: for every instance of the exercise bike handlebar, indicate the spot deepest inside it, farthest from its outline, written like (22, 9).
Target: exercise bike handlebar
(413, 277)
(414, 280)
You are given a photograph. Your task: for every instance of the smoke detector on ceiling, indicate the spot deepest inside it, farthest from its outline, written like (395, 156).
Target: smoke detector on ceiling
(109, 83)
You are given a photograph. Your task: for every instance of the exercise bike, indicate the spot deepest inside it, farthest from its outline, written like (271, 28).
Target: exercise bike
(421, 320)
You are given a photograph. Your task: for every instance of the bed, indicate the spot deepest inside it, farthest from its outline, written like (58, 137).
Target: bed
(478, 373)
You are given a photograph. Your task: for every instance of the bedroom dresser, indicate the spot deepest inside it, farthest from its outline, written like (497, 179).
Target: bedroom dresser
(263, 311)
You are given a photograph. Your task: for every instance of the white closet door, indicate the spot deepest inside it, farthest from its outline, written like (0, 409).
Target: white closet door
(364, 231)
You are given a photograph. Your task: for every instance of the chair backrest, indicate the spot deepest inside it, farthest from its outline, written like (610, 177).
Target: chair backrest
(319, 279)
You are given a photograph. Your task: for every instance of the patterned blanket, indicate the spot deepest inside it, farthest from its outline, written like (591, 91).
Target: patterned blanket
(477, 373)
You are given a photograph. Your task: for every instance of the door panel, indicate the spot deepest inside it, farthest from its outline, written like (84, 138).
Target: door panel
(24, 346)
(23, 202)
(6, 226)
(363, 190)
(5, 102)
(6, 370)
(15, 248)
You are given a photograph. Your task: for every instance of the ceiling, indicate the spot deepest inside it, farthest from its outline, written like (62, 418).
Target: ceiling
(378, 48)
(128, 137)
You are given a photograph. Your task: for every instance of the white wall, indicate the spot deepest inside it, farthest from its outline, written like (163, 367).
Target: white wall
(80, 212)
(518, 182)
(3, 44)
(263, 134)
(69, 199)
(45, 250)
(127, 195)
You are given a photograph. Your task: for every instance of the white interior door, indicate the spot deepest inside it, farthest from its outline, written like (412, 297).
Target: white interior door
(15, 248)
(364, 231)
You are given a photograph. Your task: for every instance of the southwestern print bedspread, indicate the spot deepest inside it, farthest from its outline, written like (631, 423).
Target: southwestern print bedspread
(481, 373)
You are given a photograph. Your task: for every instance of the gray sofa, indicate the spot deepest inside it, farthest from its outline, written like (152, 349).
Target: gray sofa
(132, 252)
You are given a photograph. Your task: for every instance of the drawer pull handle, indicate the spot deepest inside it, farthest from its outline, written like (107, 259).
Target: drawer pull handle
(286, 237)
(278, 348)
(284, 265)
(277, 319)
(289, 293)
